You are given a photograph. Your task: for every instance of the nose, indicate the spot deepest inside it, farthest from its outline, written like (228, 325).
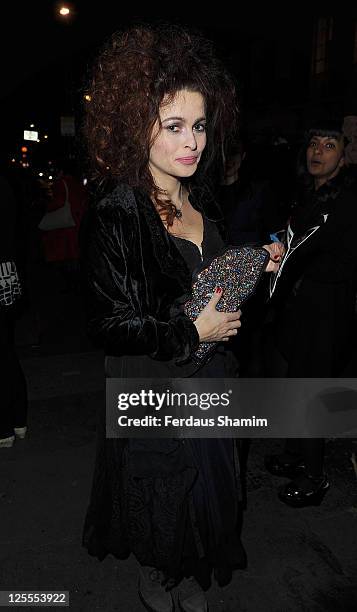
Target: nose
(319, 149)
(191, 141)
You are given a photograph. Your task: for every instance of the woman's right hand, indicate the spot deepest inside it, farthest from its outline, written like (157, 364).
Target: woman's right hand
(215, 326)
(276, 251)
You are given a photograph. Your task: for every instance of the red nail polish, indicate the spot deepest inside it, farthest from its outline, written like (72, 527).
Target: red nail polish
(218, 290)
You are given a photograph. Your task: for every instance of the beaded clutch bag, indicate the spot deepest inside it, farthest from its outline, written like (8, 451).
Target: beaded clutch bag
(237, 271)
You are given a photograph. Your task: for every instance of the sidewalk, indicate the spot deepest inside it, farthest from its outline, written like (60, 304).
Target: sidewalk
(298, 560)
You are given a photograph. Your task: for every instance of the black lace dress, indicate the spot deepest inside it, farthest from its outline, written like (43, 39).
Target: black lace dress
(175, 504)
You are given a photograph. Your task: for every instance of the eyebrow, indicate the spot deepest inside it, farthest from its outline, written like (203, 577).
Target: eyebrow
(324, 137)
(182, 119)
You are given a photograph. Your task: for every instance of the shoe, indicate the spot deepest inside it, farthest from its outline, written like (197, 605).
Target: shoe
(191, 597)
(152, 593)
(20, 432)
(282, 465)
(7, 442)
(304, 491)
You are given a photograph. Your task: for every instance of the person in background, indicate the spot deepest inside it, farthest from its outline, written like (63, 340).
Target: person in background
(13, 413)
(251, 217)
(247, 201)
(313, 296)
(61, 246)
(350, 132)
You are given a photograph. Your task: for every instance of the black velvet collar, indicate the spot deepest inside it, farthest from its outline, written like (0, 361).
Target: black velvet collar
(168, 256)
(169, 260)
(202, 199)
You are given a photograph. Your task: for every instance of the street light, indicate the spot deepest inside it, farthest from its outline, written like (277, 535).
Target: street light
(64, 11)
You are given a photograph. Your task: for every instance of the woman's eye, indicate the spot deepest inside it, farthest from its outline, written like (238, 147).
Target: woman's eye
(330, 145)
(172, 128)
(200, 127)
(313, 144)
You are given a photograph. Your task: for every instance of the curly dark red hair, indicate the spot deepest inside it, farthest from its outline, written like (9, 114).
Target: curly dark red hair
(132, 75)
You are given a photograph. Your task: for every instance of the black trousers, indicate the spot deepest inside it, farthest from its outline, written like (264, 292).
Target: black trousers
(13, 398)
(310, 450)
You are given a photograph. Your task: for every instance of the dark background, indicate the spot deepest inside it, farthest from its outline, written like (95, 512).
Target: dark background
(291, 66)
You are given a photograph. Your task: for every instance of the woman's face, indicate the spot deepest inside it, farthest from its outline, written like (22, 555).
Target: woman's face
(324, 158)
(178, 138)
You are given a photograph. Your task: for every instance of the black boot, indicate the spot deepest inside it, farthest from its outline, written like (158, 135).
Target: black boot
(152, 591)
(305, 490)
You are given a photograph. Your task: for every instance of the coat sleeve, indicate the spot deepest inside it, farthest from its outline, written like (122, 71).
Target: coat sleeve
(114, 322)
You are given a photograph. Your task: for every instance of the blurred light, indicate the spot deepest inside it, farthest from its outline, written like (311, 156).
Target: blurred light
(32, 125)
(30, 135)
(64, 11)
(45, 136)
(40, 174)
(24, 155)
(85, 181)
(24, 149)
(50, 178)
(87, 98)
(38, 140)
(13, 160)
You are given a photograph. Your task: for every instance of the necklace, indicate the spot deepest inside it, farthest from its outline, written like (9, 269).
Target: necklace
(178, 211)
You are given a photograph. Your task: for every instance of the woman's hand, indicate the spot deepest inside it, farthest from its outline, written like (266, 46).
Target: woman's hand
(276, 251)
(215, 326)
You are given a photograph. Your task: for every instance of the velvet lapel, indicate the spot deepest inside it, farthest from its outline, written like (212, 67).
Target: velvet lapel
(169, 259)
(202, 199)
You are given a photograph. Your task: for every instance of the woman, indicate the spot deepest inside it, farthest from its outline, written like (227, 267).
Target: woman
(60, 245)
(314, 296)
(161, 107)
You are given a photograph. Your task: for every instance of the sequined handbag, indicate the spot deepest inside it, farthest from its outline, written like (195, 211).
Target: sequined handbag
(237, 271)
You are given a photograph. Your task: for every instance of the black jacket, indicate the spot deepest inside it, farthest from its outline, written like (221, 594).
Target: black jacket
(136, 278)
(314, 296)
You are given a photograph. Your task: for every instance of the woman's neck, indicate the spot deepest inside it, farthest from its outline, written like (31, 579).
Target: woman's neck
(175, 193)
(173, 190)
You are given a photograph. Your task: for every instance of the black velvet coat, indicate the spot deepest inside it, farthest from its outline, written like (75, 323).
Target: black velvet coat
(141, 499)
(136, 279)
